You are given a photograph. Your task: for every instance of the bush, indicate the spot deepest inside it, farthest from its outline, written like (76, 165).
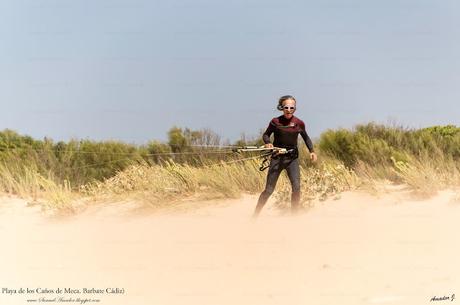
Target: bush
(377, 144)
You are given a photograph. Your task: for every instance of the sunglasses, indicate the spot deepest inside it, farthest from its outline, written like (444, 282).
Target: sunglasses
(288, 108)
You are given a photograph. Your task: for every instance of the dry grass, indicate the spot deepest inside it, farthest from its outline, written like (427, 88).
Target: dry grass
(171, 182)
(160, 185)
(156, 184)
(426, 176)
(328, 179)
(27, 183)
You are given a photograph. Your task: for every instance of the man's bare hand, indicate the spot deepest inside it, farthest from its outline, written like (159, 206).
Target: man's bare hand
(269, 145)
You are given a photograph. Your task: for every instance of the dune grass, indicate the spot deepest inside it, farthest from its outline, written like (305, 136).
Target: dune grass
(26, 182)
(426, 160)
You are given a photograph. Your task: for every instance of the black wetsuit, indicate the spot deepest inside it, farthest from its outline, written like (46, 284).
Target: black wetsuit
(286, 133)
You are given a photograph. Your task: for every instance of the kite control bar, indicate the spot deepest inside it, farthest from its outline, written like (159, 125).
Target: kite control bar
(268, 153)
(277, 150)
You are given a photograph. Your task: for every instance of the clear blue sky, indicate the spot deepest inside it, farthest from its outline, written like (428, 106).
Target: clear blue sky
(131, 69)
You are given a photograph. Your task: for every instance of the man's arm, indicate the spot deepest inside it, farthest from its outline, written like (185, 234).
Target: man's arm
(268, 132)
(306, 138)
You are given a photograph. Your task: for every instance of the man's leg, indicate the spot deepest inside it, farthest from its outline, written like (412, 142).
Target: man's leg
(272, 177)
(293, 172)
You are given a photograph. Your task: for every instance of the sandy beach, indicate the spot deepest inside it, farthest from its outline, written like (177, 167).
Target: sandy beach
(359, 249)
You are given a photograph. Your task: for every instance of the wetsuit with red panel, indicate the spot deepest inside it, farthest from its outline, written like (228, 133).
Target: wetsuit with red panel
(286, 133)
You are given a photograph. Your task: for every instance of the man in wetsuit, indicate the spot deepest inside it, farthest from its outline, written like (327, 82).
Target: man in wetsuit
(286, 129)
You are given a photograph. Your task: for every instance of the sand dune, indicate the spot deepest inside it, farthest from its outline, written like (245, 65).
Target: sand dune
(360, 249)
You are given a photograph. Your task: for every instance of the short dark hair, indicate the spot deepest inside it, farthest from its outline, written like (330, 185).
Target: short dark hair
(282, 99)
